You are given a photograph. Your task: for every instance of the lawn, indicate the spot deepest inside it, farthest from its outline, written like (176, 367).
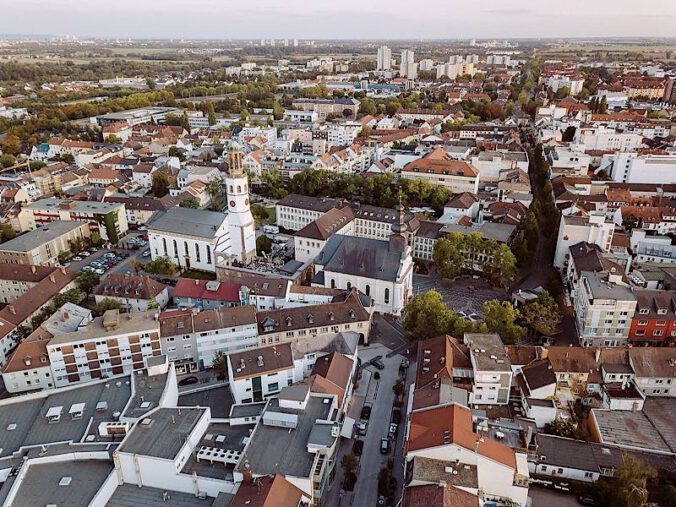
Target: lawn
(272, 215)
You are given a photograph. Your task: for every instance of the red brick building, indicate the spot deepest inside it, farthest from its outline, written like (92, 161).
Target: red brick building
(654, 322)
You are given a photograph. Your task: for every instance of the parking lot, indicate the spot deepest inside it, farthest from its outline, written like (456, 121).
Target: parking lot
(466, 295)
(376, 393)
(117, 260)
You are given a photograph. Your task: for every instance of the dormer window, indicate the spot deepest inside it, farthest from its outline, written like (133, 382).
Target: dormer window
(643, 311)
(289, 321)
(332, 316)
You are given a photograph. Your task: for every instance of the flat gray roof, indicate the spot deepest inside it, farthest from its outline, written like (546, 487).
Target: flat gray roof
(247, 410)
(32, 427)
(165, 435)
(53, 203)
(41, 485)
(218, 399)
(189, 222)
(147, 393)
(137, 323)
(130, 495)
(630, 429)
(602, 289)
(488, 351)
(275, 450)
(37, 237)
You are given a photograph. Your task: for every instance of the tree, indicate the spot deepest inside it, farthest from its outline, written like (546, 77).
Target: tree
(603, 105)
(160, 184)
(447, 256)
(629, 485)
(263, 245)
(161, 266)
(6, 233)
(153, 304)
(426, 315)
(190, 202)
(501, 317)
(220, 364)
(151, 84)
(562, 428)
(398, 388)
(543, 314)
(104, 305)
(11, 145)
(349, 463)
(211, 114)
(86, 281)
(7, 160)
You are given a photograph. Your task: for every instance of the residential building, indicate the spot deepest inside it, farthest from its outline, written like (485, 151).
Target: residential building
(192, 339)
(654, 370)
(446, 433)
(591, 228)
(384, 60)
(654, 322)
(493, 373)
(107, 219)
(259, 373)
(42, 246)
(311, 239)
(605, 139)
(296, 211)
(346, 313)
(323, 107)
(134, 293)
(28, 367)
(110, 345)
(604, 308)
(631, 167)
(439, 168)
(17, 279)
(407, 67)
(206, 294)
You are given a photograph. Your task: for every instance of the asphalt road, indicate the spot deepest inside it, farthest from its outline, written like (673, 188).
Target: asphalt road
(378, 393)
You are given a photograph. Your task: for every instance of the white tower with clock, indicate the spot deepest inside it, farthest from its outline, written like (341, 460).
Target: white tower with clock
(240, 219)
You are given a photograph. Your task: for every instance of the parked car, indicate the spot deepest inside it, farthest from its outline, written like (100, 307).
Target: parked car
(84, 253)
(146, 253)
(384, 446)
(77, 258)
(396, 416)
(394, 428)
(366, 412)
(378, 364)
(99, 271)
(586, 500)
(357, 447)
(67, 264)
(93, 249)
(188, 380)
(362, 428)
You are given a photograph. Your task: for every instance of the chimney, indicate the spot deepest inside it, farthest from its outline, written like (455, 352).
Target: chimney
(33, 269)
(52, 278)
(63, 271)
(597, 354)
(12, 310)
(65, 316)
(544, 352)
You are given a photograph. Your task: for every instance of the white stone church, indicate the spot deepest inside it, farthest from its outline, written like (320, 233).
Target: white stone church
(201, 239)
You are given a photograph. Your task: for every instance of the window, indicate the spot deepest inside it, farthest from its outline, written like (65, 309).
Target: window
(164, 244)
(208, 254)
(273, 387)
(658, 332)
(333, 283)
(349, 285)
(197, 252)
(387, 295)
(175, 249)
(185, 248)
(368, 290)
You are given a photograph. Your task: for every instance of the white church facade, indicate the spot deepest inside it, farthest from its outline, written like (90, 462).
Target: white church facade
(202, 239)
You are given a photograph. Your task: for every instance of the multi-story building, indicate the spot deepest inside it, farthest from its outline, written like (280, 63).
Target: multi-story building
(28, 367)
(17, 279)
(654, 321)
(296, 211)
(635, 168)
(439, 168)
(107, 219)
(407, 67)
(384, 58)
(605, 139)
(493, 373)
(604, 308)
(134, 293)
(654, 370)
(346, 313)
(323, 107)
(110, 345)
(42, 246)
(192, 339)
(573, 229)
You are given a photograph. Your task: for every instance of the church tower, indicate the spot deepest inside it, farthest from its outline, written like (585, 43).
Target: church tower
(240, 219)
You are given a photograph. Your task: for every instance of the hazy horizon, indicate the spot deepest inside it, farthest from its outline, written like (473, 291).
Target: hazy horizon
(349, 20)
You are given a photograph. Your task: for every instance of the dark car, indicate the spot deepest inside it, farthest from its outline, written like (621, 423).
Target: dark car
(366, 412)
(384, 446)
(396, 416)
(188, 380)
(378, 364)
(357, 447)
(586, 500)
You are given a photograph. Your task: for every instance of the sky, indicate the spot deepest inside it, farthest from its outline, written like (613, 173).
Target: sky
(340, 19)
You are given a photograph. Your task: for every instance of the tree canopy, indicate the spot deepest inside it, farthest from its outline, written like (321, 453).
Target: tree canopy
(543, 314)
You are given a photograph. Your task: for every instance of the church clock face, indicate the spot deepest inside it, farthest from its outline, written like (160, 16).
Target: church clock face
(232, 204)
